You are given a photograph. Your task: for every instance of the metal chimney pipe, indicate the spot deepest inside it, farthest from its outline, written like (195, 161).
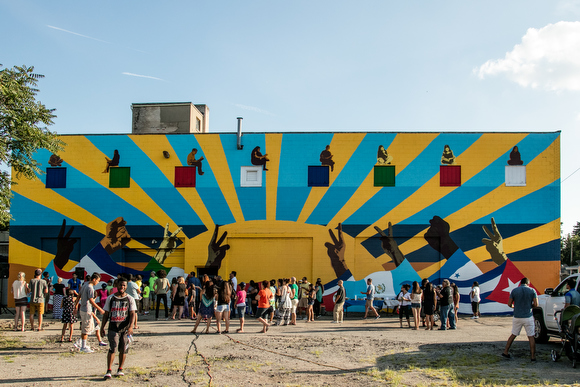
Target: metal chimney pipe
(240, 146)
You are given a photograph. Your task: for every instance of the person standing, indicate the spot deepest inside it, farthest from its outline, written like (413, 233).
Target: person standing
(429, 305)
(20, 289)
(39, 290)
(49, 284)
(370, 296)
(447, 306)
(234, 283)
(134, 291)
(74, 283)
(59, 293)
(303, 296)
(523, 299)
(475, 298)
(240, 302)
(339, 298)
(319, 289)
(120, 310)
(416, 296)
(294, 297)
(87, 303)
(152, 279)
(160, 288)
(264, 296)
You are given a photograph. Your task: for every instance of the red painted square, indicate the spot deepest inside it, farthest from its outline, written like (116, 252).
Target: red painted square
(450, 175)
(185, 176)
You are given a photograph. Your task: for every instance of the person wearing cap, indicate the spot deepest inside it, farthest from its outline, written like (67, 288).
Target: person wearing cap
(39, 290)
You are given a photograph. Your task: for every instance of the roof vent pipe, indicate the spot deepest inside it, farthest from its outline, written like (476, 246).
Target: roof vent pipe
(240, 146)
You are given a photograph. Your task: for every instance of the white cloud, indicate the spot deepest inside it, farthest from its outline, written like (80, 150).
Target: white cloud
(547, 58)
(143, 76)
(254, 109)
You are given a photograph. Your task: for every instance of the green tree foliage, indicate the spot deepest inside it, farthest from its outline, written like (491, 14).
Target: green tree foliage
(572, 242)
(23, 130)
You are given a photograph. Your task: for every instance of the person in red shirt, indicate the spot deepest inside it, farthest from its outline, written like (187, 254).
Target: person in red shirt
(264, 309)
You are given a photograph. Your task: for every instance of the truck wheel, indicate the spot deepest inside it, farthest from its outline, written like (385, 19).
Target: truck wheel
(541, 334)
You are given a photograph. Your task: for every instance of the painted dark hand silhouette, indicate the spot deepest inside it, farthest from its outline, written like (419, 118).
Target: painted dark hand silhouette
(335, 251)
(64, 246)
(438, 237)
(390, 246)
(116, 236)
(167, 245)
(216, 252)
(494, 245)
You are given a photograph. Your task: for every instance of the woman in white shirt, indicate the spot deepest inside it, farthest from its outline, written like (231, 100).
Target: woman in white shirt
(20, 289)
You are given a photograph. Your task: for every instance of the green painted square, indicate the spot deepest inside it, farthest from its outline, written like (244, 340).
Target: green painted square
(119, 177)
(384, 176)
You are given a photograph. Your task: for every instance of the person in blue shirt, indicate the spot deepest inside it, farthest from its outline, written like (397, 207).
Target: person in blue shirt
(572, 296)
(523, 299)
(74, 283)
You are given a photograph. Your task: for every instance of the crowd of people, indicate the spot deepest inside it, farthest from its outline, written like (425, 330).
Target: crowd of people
(211, 299)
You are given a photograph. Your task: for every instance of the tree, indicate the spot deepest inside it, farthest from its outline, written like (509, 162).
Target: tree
(22, 118)
(570, 242)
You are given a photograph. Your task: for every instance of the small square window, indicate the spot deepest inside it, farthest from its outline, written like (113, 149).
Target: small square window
(318, 175)
(450, 175)
(119, 177)
(384, 175)
(515, 175)
(185, 176)
(55, 177)
(251, 176)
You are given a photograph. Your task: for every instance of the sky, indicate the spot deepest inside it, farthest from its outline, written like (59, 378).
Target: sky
(492, 66)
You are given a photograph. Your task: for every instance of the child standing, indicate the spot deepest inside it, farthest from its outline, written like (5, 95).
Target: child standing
(241, 305)
(146, 301)
(68, 314)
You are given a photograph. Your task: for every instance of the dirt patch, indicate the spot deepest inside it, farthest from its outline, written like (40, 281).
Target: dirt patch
(362, 352)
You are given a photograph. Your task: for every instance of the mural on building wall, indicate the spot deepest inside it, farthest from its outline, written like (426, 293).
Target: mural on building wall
(114, 162)
(55, 161)
(383, 157)
(191, 160)
(326, 158)
(349, 230)
(448, 157)
(216, 252)
(515, 157)
(168, 244)
(258, 159)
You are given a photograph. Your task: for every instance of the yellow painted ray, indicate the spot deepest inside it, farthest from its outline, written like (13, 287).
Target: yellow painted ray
(212, 145)
(51, 199)
(81, 154)
(150, 145)
(539, 168)
(342, 147)
(525, 240)
(404, 148)
(431, 191)
(273, 146)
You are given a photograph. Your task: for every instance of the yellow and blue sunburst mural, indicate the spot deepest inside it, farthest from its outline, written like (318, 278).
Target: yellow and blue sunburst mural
(394, 207)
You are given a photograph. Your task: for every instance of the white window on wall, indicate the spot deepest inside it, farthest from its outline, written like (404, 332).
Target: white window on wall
(251, 176)
(515, 175)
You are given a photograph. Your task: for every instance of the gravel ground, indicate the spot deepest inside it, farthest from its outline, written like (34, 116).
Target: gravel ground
(366, 352)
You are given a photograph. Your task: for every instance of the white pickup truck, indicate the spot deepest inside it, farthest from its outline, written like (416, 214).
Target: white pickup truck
(549, 303)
